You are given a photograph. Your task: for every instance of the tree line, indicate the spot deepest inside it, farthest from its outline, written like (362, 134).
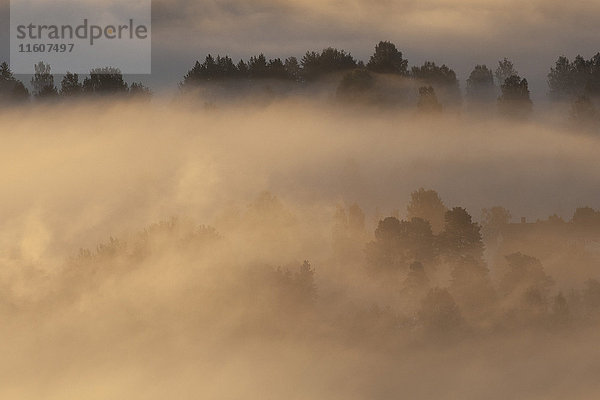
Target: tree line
(405, 254)
(100, 81)
(576, 81)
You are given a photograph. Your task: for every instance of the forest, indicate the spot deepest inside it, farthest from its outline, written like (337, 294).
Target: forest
(384, 81)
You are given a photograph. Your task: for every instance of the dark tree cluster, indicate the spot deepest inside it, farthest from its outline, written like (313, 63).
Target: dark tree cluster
(100, 81)
(437, 84)
(521, 295)
(577, 81)
(515, 100)
(398, 244)
(313, 65)
(258, 67)
(11, 89)
(387, 59)
(442, 78)
(480, 85)
(328, 61)
(570, 80)
(434, 86)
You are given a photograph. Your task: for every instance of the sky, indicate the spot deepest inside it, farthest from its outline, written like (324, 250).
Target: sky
(459, 33)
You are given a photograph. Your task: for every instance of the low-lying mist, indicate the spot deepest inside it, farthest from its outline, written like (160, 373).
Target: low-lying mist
(164, 250)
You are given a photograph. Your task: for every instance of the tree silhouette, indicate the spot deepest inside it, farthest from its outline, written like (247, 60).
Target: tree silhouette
(43, 81)
(210, 70)
(428, 205)
(561, 79)
(11, 90)
(480, 85)
(569, 80)
(387, 59)
(515, 101)
(242, 68)
(398, 244)
(257, 67)
(70, 85)
(105, 81)
(140, 91)
(276, 69)
(329, 60)
(505, 70)
(441, 78)
(293, 69)
(461, 240)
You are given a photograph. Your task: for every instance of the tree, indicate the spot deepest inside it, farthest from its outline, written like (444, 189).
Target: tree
(43, 81)
(105, 81)
(569, 80)
(480, 84)
(441, 78)
(292, 67)
(515, 101)
(226, 69)
(242, 68)
(139, 91)
(504, 71)
(11, 90)
(210, 70)
(428, 205)
(398, 244)
(387, 59)
(70, 85)
(428, 101)
(328, 61)
(276, 70)
(257, 67)
(461, 239)
(561, 79)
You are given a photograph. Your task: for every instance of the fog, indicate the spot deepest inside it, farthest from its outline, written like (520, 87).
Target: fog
(158, 250)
